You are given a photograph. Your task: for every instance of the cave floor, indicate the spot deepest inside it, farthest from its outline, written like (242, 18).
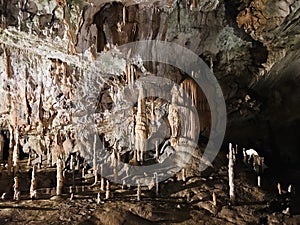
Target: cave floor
(179, 202)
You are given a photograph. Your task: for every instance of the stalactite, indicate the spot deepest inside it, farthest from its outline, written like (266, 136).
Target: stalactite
(231, 173)
(40, 107)
(26, 102)
(8, 63)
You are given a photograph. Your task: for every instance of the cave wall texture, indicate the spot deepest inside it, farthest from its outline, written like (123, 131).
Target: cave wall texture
(50, 48)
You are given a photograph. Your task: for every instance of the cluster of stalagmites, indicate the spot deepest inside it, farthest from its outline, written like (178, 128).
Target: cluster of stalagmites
(252, 159)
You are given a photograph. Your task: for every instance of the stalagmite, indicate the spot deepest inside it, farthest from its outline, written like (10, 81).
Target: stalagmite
(96, 175)
(102, 184)
(95, 166)
(258, 181)
(156, 183)
(141, 126)
(16, 196)
(244, 156)
(261, 164)
(16, 149)
(29, 157)
(156, 150)
(174, 121)
(124, 15)
(1, 147)
(59, 176)
(279, 189)
(107, 192)
(138, 193)
(59, 165)
(33, 185)
(98, 198)
(10, 153)
(290, 189)
(214, 197)
(183, 175)
(71, 196)
(83, 172)
(20, 16)
(231, 173)
(72, 168)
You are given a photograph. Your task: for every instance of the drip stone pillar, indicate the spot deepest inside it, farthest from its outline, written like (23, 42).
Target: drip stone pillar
(141, 127)
(231, 173)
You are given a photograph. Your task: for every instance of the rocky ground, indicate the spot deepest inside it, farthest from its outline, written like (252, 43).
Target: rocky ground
(179, 202)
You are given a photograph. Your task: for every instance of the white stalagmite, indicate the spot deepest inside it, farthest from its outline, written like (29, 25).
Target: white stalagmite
(72, 168)
(16, 148)
(102, 184)
(279, 189)
(59, 166)
(214, 197)
(33, 184)
(124, 16)
(83, 172)
(183, 174)
(156, 150)
(11, 146)
(95, 166)
(107, 193)
(258, 181)
(141, 126)
(231, 173)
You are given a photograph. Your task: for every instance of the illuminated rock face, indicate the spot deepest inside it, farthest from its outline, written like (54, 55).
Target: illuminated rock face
(50, 50)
